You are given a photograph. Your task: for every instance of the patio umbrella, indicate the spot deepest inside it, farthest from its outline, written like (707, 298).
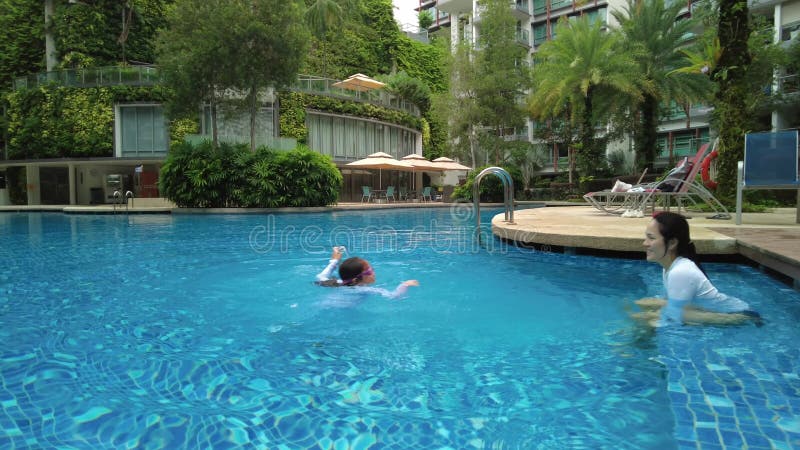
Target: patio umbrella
(380, 161)
(421, 164)
(445, 163)
(359, 82)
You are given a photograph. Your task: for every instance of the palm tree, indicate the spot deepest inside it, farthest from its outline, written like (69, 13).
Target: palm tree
(655, 30)
(573, 71)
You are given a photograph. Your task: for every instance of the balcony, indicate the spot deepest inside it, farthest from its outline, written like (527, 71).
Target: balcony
(523, 37)
(520, 9)
(148, 76)
(676, 112)
(789, 84)
(324, 86)
(92, 77)
(454, 6)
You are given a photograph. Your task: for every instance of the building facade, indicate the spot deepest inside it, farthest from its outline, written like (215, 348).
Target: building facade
(680, 133)
(141, 139)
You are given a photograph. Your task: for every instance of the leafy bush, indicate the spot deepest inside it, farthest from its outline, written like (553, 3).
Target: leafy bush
(231, 176)
(491, 185)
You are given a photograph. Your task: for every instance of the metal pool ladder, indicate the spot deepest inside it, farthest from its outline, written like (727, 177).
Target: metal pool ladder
(119, 198)
(508, 194)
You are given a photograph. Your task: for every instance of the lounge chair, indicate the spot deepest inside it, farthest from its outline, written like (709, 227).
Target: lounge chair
(770, 162)
(635, 201)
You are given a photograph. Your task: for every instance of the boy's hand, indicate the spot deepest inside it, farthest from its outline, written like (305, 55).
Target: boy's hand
(336, 253)
(411, 283)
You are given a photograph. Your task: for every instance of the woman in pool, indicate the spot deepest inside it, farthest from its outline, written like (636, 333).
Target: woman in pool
(356, 272)
(691, 298)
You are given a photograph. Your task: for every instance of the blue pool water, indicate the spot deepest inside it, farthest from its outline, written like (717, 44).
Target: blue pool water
(159, 331)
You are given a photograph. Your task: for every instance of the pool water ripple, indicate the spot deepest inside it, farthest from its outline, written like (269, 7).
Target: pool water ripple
(188, 332)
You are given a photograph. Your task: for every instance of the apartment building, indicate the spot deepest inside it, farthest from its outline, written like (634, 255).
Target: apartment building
(680, 131)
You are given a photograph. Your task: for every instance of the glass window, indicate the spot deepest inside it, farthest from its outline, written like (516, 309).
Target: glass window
(143, 130)
(539, 33)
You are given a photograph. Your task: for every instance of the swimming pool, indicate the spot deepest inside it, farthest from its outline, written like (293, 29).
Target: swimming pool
(177, 331)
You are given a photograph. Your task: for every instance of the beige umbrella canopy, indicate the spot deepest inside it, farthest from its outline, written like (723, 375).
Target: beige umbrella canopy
(445, 163)
(420, 164)
(359, 82)
(380, 161)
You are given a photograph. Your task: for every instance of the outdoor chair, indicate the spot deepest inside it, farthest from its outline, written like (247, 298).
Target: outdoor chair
(770, 162)
(366, 193)
(390, 194)
(679, 186)
(403, 194)
(426, 193)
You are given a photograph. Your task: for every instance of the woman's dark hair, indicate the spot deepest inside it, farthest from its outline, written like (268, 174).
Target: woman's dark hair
(674, 226)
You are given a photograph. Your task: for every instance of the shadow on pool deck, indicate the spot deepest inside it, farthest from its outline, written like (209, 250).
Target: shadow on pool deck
(771, 239)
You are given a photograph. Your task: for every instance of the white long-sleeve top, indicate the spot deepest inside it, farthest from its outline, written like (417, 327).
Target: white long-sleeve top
(327, 274)
(686, 284)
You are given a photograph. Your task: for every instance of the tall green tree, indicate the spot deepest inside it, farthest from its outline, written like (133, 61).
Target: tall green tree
(502, 73)
(193, 54)
(458, 108)
(655, 34)
(573, 72)
(269, 44)
(213, 46)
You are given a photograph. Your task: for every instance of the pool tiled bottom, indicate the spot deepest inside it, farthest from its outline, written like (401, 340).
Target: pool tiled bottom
(729, 397)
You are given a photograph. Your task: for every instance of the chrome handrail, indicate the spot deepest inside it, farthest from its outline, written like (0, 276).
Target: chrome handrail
(117, 197)
(508, 194)
(128, 195)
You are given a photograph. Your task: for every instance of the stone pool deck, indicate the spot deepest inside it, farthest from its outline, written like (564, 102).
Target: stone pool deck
(771, 239)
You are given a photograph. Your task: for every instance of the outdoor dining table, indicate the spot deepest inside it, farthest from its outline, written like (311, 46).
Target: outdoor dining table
(377, 194)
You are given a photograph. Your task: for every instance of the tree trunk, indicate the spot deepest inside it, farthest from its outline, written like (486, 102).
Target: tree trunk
(253, 113)
(587, 163)
(214, 131)
(649, 132)
(733, 31)
(473, 145)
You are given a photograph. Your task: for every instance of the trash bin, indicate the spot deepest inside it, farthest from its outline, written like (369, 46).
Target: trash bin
(96, 196)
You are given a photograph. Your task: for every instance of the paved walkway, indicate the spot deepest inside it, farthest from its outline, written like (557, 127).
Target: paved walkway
(771, 239)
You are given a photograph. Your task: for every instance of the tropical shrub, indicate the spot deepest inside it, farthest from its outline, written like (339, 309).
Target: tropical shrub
(230, 175)
(491, 186)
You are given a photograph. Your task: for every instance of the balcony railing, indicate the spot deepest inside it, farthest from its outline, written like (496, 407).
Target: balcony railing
(147, 76)
(324, 86)
(523, 37)
(676, 112)
(276, 143)
(91, 77)
(789, 84)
